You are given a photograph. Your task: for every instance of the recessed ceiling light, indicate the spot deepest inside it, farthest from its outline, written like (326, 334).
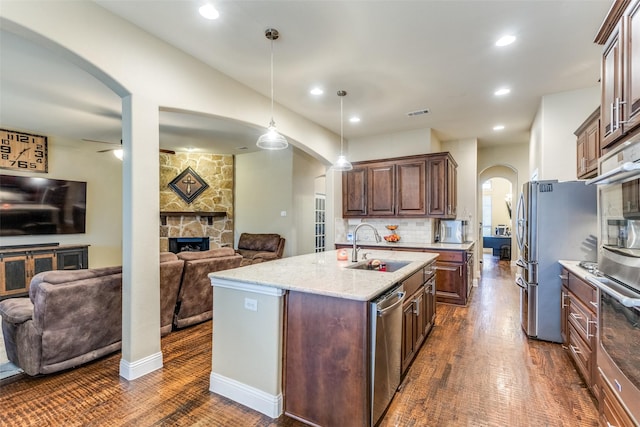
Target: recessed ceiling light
(354, 119)
(498, 127)
(316, 91)
(209, 12)
(503, 91)
(505, 40)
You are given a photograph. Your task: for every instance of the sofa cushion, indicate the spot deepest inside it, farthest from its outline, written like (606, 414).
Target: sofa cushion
(16, 310)
(56, 277)
(167, 256)
(212, 253)
(259, 242)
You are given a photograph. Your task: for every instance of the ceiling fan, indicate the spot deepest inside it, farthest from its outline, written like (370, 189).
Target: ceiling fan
(119, 146)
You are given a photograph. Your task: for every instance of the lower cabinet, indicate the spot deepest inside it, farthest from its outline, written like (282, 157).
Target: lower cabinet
(18, 265)
(418, 314)
(579, 324)
(612, 413)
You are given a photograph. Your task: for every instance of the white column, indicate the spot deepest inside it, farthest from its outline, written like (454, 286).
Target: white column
(141, 352)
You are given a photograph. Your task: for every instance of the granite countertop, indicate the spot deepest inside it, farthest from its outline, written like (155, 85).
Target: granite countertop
(574, 267)
(321, 273)
(413, 245)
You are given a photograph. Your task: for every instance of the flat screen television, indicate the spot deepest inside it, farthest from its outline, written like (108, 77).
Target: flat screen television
(30, 205)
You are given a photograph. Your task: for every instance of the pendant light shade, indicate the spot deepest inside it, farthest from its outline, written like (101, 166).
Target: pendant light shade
(272, 140)
(342, 164)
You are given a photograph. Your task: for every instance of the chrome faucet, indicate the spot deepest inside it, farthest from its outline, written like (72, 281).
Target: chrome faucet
(354, 253)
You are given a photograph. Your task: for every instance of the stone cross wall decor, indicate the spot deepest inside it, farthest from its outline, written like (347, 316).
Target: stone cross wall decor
(188, 185)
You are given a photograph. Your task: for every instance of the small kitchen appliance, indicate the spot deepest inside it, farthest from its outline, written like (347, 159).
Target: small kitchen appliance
(454, 231)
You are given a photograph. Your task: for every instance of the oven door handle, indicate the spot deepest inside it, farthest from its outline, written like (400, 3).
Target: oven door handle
(622, 299)
(622, 172)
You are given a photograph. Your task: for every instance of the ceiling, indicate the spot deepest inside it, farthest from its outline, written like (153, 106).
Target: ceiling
(392, 57)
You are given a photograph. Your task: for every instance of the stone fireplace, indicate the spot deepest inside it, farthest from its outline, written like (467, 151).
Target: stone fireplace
(210, 215)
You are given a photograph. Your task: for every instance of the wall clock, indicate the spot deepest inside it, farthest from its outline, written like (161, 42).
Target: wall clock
(23, 151)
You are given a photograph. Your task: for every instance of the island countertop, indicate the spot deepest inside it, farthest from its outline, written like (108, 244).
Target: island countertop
(321, 273)
(413, 245)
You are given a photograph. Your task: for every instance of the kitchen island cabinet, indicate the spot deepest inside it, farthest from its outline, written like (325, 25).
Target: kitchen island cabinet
(293, 335)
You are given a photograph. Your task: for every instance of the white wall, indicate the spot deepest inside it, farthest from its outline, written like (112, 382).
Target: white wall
(419, 141)
(552, 141)
(263, 190)
(70, 160)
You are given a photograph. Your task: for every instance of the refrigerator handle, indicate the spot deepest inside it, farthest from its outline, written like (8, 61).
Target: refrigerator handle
(520, 222)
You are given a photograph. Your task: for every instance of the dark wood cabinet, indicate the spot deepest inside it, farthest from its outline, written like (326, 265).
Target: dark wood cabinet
(381, 189)
(441, 186)
(354, 192)
(413, 186)
(18, 265)
(579, 325)
(411, 182)
(612, 413)
(620, 72)
(588, 146)
(418, 313)
(326, 375)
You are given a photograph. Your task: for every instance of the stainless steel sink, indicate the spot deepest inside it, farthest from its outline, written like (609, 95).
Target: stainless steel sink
(391, 266)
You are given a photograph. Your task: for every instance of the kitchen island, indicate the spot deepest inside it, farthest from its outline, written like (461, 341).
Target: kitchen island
(293, 336)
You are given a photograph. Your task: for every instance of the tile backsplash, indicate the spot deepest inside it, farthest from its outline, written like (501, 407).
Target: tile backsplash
(419, 230)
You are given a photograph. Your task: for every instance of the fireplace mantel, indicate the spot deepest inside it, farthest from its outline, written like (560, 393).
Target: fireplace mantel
(209, 215)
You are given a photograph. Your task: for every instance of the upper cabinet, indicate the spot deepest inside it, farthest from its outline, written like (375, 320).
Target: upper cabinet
(620, 106)
(441, 191)
(412, 186)
(588, 146)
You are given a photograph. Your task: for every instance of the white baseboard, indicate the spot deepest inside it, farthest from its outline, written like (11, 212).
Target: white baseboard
(265, 403)
(139, 368)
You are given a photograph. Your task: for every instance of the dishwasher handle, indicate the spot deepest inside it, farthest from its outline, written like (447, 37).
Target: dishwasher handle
(385, 311)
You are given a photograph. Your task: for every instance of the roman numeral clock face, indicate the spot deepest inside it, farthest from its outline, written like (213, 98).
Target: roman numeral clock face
(23, 151)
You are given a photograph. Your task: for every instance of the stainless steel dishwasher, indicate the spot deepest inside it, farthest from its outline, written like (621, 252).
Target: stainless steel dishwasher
(386, 343)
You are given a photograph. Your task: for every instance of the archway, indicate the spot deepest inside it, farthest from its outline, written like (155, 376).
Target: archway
(506, 180)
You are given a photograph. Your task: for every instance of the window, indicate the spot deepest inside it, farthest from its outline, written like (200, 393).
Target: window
(320, 222)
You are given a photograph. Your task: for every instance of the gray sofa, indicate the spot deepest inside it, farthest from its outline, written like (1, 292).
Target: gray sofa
(70, 317)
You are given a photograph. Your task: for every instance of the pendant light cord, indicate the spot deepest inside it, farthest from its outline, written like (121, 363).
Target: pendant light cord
(272, 122)
(341, 126)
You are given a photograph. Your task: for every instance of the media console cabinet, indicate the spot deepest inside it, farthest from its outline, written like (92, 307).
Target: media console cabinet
(18, 264)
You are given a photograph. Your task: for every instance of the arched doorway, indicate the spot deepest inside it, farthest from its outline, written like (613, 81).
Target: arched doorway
(497, 189)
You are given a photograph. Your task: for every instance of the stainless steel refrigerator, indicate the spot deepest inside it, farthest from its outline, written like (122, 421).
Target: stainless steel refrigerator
(554, 221)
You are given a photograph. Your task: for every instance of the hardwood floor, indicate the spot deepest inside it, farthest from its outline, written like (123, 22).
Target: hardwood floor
(476, 369)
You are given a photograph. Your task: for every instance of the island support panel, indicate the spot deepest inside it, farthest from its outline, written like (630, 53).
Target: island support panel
(327, 367)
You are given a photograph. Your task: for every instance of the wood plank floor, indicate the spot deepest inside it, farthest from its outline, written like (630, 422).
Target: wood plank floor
(475, 369)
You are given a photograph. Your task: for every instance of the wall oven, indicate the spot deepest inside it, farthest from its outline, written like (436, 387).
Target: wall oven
(618, 281)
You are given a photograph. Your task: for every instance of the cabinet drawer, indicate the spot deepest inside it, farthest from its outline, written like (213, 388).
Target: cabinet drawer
(587, 293)
(612, 413)
(450, 256)
(581, 318)
(581, 353)
(413, 282)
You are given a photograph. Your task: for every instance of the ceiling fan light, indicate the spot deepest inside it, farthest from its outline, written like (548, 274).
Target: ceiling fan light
(272, 140)
(118, 153)
(342, 164)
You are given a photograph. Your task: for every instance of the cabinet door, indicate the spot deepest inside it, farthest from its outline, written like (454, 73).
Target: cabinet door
(14, 272)
(381, 190)
(354, 192)
(564, 309)
(430, 304)
(581, 155)
(452, 190)
(610, 128)
(450, 283)
(407, 335)
(42, 262)
(436, 187)
(420, 318)
(72, 259)
(410, 181)
(592, 142)
(632, 67)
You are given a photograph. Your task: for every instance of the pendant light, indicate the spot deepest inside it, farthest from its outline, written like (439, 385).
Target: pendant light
(342, 164)
(272, 140)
